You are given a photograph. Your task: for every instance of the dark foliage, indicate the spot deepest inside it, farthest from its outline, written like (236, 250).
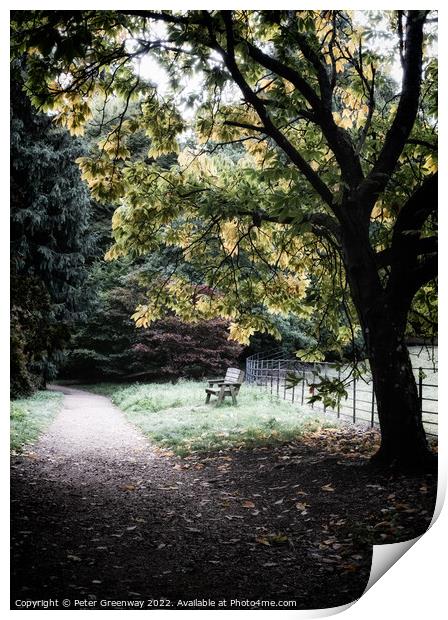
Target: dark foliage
(50, 240)
(169, 350)
(108, 346)
(29, 332)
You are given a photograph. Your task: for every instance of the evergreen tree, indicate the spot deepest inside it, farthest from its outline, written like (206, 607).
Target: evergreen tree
(50, 240)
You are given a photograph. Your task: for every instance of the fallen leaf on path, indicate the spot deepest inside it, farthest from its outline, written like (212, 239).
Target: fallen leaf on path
(327, 487)
(127, 487)
(272, 539)
(248, 504)
(279, 539)
(302, 506)
(232, 541)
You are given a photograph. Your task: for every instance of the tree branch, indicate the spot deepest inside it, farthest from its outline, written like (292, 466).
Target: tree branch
(319, 221)
(424, 273)
(245, 126)
(337, 138)
(425, 143)
(424, 245)
(162, 16)
(405, 116)
(286, 72)
(417, 209)
(270, 129)
(408, 271)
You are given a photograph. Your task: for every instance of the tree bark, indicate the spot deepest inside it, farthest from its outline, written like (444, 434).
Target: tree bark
(403, 439)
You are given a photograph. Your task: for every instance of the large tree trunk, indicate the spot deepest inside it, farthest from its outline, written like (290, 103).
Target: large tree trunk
(403, 439)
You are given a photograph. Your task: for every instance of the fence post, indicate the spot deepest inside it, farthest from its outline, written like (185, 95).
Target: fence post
(354, 399)
(303, 385)
(372, 420)
(420, 388)
(339, 399)
(278, 378)
(325, 376)
(314, 381)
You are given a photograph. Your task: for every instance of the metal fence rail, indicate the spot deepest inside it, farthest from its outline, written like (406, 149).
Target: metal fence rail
(270, 370)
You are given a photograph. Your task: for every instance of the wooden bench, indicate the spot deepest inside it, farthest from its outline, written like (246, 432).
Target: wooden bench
(229, 386)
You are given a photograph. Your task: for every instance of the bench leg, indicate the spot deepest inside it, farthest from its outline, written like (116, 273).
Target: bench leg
(232, 391)
(220, 397)
(207, 400)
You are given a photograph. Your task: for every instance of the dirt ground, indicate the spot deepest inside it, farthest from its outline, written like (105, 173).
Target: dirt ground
(100, 515)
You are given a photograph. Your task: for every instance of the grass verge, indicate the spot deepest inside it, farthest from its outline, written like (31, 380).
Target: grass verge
(175, 417)
(29, 417)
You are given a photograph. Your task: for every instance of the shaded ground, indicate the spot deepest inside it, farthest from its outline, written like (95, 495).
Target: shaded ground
(99, 514)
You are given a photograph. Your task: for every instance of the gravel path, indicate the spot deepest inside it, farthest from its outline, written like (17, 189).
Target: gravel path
(89, 428)
(98, 514)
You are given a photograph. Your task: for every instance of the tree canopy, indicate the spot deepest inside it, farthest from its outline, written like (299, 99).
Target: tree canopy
(315, 117)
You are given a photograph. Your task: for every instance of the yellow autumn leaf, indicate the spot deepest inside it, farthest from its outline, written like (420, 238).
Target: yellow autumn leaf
(230, 236)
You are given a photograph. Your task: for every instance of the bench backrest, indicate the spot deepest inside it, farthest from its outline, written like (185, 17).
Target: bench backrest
(234, 375)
